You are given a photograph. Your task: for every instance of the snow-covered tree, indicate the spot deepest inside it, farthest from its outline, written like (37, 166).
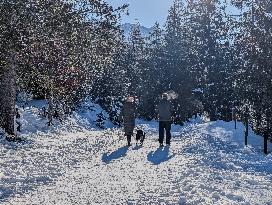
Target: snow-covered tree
(176, 70)
(207, 32)
(136, 59)
(56, 48)
(253, 44)
(152, 75)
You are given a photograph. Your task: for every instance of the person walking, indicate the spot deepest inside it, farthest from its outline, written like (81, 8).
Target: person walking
(128, 114)
(164, 109)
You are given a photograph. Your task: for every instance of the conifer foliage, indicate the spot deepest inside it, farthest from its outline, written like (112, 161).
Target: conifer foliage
(54, 48)
(208, 59)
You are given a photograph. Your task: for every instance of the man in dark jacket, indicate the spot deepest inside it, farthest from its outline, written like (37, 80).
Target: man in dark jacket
(128, 114)
(165, 119)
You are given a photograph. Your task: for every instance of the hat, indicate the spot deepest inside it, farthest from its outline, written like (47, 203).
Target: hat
(130, 99)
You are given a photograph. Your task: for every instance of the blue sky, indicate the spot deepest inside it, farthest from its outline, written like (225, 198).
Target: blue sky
(147, 12)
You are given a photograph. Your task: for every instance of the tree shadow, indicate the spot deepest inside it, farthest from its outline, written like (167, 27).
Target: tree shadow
(21, 161)
(12, 187)
(5, 193)
(121, 152)
(159, 156)
(16, 146)
(227, 153)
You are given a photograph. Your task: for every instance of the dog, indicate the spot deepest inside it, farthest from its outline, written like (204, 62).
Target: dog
(140, 135)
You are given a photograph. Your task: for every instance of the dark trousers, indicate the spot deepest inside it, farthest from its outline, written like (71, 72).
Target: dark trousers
(129, 138)
(164, 125)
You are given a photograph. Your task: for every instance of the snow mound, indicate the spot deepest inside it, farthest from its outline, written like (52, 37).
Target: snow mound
(93, 115)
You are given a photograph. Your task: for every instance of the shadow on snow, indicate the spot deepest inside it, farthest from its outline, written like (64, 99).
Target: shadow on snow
(121, 152)
(227, 153)
(159, 156)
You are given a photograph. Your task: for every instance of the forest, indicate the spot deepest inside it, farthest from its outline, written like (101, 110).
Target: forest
(210, 60)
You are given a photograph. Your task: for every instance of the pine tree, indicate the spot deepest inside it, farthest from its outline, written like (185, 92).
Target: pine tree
(151, 86)
(254, 47)
(207, 30)
(111, 88)
(175, 71)
(55, 46)
(136, 59)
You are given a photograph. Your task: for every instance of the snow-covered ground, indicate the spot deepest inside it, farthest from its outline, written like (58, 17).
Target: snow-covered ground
(74, 163)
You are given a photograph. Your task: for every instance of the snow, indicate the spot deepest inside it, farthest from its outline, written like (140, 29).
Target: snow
(198, 90)
(127, 29)
(88, 114)
(31, 118)
(76, 163)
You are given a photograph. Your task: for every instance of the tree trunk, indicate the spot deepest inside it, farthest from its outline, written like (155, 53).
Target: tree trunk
(8, 95)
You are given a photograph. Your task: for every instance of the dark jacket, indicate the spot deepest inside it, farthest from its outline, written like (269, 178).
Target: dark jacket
(164, 109)
(128, 113)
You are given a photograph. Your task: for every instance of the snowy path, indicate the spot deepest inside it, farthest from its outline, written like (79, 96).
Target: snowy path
(204, 165)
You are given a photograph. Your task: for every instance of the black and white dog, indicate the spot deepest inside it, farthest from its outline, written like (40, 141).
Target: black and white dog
(140, 135)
